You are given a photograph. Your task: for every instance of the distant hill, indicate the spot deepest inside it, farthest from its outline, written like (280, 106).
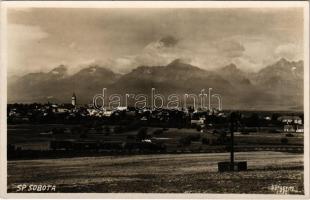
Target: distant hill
(175, 77)
(234, 75)
(284, 76)
(278, 86)
(57, 86)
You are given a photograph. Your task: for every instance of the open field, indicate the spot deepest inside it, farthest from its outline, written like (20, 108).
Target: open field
(196, 173)
(34, 137)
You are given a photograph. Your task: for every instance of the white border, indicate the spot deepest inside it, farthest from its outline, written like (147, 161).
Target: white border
(155, 4)
(149, 4)
(3, 101)
(306, 102)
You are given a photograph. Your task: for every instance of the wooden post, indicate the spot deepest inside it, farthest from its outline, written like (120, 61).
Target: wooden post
(232, 129)
(232, 165)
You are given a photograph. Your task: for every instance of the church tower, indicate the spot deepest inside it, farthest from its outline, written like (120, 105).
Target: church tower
(73, 100)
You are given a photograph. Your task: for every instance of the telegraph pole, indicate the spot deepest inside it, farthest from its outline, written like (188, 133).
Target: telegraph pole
(232, 129)
(232, 165)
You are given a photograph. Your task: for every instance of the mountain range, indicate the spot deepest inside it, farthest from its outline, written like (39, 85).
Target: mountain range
(278, 86)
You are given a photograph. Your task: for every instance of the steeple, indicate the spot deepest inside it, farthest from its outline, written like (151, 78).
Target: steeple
(73, 99)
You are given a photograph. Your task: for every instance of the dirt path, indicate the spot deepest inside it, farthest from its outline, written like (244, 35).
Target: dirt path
(161, 173)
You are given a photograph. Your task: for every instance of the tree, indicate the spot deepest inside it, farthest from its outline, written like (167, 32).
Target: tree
(205, 141)
(98, 128)
(118, 129)
(284, 140)
(107, 130)
(185, 141)
(58, 131)
(158, 132)
(76, 130)
(142, 134)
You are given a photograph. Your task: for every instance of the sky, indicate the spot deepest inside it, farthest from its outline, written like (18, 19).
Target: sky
(40, 39)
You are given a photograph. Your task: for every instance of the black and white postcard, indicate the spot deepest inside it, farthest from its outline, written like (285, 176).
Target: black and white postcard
(155, 99)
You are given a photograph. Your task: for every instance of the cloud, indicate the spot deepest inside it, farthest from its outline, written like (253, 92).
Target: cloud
(247, 64)
(21, 39)
(207, 55)
(258, 52)
(247, 53)
(158, 53)
(42, 38)
(168, 41)
(72, 45)
(24, 33)
(290, 51)
(230, 48)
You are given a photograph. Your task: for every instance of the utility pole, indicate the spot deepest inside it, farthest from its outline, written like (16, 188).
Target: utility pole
(232, 165)
(232, 129)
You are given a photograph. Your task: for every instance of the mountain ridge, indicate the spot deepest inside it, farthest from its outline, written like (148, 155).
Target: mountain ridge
(236, 86)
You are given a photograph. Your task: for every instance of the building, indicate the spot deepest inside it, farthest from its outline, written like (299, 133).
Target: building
(73, 100)
(289, 128)
(293, 128)
(299, 128)
(198, 122)
(290, 120)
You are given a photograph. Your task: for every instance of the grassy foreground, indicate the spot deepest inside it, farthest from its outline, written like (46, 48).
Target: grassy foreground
(164, 173)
